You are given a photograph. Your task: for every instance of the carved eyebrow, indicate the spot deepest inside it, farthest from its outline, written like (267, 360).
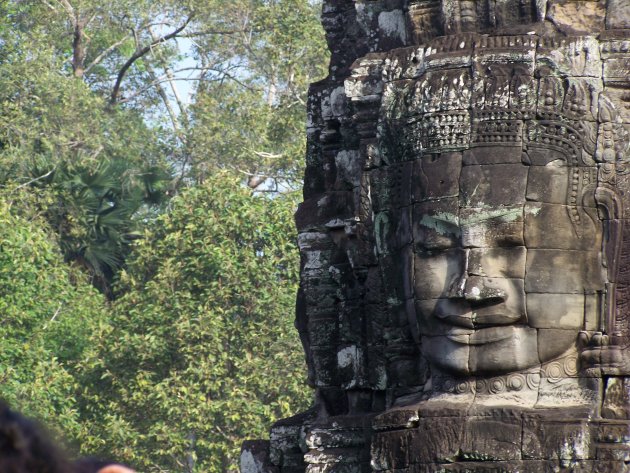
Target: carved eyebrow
(443, 223)
(507, 215)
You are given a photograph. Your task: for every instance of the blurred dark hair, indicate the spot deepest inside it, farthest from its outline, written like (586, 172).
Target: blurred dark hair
(25, 446)
(89, 465)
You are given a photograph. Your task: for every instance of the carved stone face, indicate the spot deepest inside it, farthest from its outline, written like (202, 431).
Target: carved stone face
(506, 273)
(496, 204)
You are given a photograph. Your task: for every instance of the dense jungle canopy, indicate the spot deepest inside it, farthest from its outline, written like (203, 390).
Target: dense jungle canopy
(149, 157)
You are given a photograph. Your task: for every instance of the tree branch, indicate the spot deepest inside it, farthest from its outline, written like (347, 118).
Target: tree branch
(171, 80)
(105, 53)
(195, 34)
(167, 103)
(68, 7)
(88, 22)
(263, 154)
(158, 80)
(49, 5)
(44, 176)
(140, 53)
(165, 78)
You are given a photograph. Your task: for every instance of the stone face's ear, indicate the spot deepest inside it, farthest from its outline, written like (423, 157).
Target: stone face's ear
(610, 196)
(610, 211)
(606, 353)
(608, 203)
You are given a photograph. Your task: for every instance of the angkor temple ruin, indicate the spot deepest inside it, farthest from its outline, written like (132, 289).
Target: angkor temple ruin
(465, 240)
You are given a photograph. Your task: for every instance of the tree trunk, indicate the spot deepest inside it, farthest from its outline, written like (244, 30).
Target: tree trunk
(79, 47)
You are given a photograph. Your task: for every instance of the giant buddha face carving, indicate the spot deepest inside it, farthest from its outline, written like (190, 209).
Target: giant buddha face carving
(504, 277)
(489, 206)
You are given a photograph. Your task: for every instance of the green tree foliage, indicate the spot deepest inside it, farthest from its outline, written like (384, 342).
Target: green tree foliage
(250, 60)
(201, 352)
(48, 315)
(96, 133)
(108, 45)
(257, 81)
(90, 89)
(92, 167)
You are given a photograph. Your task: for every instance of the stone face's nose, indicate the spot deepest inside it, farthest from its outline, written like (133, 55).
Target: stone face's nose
(474, 286)
(493, 301)
(477, 289)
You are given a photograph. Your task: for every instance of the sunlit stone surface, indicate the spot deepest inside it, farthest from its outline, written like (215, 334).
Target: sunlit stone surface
(465, 237)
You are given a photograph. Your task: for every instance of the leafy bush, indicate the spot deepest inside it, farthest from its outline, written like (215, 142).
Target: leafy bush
(49, 311)
(201, 352)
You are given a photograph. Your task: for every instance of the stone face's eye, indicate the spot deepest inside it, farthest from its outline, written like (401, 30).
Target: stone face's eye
(486, 227)
(435, 232)
(499, 262)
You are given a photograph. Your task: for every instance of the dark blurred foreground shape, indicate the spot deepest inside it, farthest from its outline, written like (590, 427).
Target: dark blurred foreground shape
(25, 447)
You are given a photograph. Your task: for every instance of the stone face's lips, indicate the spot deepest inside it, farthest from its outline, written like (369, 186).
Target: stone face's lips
(482, 336)
(460, 332)
(504, 318)
(478, 319)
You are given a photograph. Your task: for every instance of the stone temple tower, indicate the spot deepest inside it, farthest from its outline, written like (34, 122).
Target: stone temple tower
(465, 238)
